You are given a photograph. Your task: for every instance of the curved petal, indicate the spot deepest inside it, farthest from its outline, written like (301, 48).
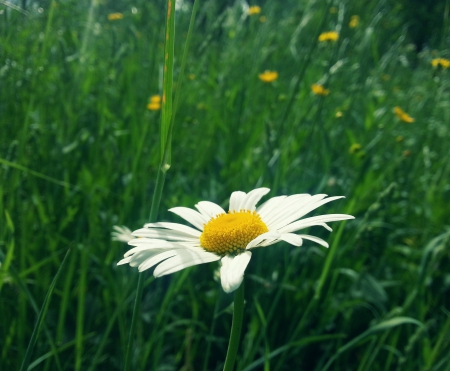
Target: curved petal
(142, 244)
(139, 257)
(236, 200)
(148, 263)
(264, 209)
(314, 239)
(175, 227)
(271, 235)
(184, 259)
(232, 270)
(291, 209)
(315, 220)
(165, 234)
(121, 233)
(252, 198)
(209, 209)
(192, 216)
(291, 238)
(305, 209)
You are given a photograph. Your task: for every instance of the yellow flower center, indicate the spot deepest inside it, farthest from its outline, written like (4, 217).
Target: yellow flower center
(230, 233)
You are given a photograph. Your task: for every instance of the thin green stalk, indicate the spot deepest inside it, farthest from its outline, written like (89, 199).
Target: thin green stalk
(81, 309)
(166, 138)
(41, 316)
(140, 286)
(330, 256)
(166, 115)
(211, 330)
(236, 327)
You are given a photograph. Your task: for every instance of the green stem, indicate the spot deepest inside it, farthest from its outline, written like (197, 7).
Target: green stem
(42, 314)
(140, 286)
(236, 327)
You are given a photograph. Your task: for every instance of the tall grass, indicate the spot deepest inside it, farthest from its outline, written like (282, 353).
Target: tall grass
(77, 144)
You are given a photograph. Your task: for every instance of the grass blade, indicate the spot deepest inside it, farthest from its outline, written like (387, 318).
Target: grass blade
(41, 316)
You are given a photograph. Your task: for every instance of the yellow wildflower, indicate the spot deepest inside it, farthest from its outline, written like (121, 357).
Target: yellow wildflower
(355, 147)
(328, 36)
(338, 114)
(263, 19)
(442, 62)
(402, 115)
(154, 103)
(268, 76)
(115, 16)
(255, 9)
(354, 21)
(319, 90)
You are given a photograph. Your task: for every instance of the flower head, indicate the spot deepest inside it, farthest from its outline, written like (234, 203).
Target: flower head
(115, 16)
(268, 76)
(354, 21)
(440, 62)
(154, 103)
(328, 36)
(319, 90)
(402, 115)
(255, 9)
(227, 236)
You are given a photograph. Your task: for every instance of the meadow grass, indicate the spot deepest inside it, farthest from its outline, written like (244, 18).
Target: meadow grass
(80, 153)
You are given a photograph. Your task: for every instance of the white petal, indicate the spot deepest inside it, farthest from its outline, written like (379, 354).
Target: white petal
(159, 246)
(315, 220)
(164, 234)
(148, 263)
(292, 238)
(291, 209)
(192, 216)
(122, 234)
(271, 235)
(252, 198)
(176, 227)
(209, 209)
(236, 200)
(184, 259)
(270, 204)
(314, 239)
(305, 209)
(124, 261)
(232, 270)
(139, 257)
(142, 246)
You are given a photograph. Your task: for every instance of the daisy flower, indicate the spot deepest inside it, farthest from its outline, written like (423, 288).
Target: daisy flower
(227, 236)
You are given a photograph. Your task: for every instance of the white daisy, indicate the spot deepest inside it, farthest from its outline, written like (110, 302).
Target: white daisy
(228, 237)
(121, 234)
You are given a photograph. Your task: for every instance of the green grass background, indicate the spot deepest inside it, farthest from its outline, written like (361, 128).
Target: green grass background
(80, 152)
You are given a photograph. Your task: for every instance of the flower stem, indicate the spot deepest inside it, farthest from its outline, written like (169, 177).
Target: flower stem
(236, 327)
(140, 286)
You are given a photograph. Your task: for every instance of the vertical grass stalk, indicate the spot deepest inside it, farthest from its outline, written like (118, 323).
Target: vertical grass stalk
(236, 327)
(165, 135)
(41, 316)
